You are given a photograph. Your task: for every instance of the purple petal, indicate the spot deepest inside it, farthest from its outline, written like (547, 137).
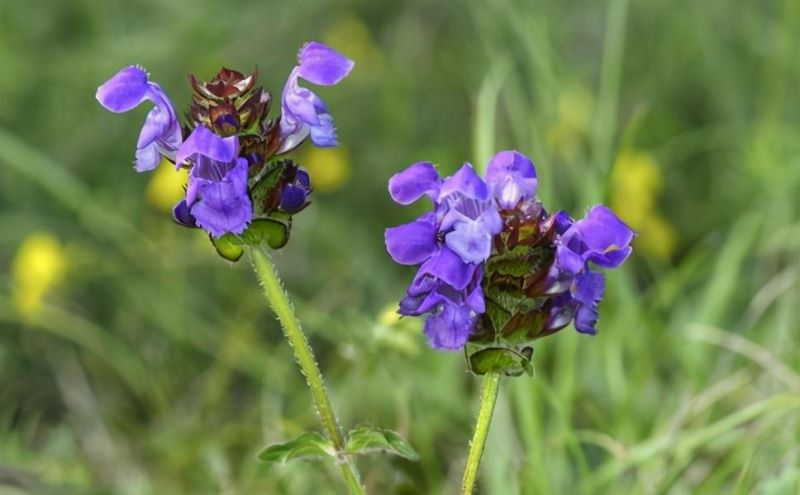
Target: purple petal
(562, 221)
(125, 90)
(466, 182)
(449, 267)
(301, 104)
(182, 214)
(161, 122)
(475, 300)
(147, 158)
(411, 243)
(224, 206)
(321, 64)
(324, 134)
(302, 178)
(511, 176)
(491, 220)
(561, 312)
(414, 182)
(418, 305)
(450, 329)
(605, 236)
(292, 198)
(588, 290)
(470, 240)
(293, 133)
(569, 261)
(586, 319)
(301, 112)
(160, 134)
(204, 142)
(422, 285)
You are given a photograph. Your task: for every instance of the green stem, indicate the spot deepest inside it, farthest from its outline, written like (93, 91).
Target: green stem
(279, 301)
(491, 385)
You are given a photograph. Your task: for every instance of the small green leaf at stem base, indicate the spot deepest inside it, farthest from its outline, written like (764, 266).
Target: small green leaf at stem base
(311, 445)
(366, 439)
(275, 233)
(229, 247)
(501, 360)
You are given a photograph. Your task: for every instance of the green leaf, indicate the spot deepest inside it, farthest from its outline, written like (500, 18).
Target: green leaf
(307, 445)
(365, 439)
(498, 315)
(515, 267)
(275, 233)
(501, 359)
(263, 186)
(228, 246)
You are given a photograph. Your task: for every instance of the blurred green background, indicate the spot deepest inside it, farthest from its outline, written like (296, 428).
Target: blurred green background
(133, 360)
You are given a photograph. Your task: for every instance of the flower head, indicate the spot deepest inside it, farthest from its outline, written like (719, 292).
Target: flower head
(494, 267)
(236, 182)
(161, 134)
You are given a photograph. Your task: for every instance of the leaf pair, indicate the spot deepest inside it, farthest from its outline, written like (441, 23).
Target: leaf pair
(314, 445)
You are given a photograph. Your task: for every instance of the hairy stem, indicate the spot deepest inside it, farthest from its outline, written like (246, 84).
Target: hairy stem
(489, 390)
(279, 302)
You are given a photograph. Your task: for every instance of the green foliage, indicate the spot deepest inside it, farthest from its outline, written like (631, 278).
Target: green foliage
(312, 445)
(364, 440)
(502, 360)
(229, 247)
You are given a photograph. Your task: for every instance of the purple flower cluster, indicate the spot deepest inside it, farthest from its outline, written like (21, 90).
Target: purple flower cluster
(450, 244)
(234, 138)
(471, 217)
(600, 238)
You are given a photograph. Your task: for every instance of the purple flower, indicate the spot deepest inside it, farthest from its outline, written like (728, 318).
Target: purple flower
(511, 177)
(294, 196)
(161, 134)
(217, 195)
(600, 238)
(450, 244)
(303, 113)
(496, 238)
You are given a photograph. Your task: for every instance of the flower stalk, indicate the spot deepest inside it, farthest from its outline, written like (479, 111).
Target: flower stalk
(489, 391)
(279, 301)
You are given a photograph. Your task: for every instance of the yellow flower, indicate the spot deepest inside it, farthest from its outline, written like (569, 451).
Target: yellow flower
(389, 316)
(399, 335)
(328, 168)
(636, 182)
(167, 186)
(40, 264)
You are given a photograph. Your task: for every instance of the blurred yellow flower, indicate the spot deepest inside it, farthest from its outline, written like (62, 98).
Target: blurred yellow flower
(636, 182)
(40, 264)
(328, 168)
(166, 186)
(389, 316)
(351, 36)
(399, 335)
